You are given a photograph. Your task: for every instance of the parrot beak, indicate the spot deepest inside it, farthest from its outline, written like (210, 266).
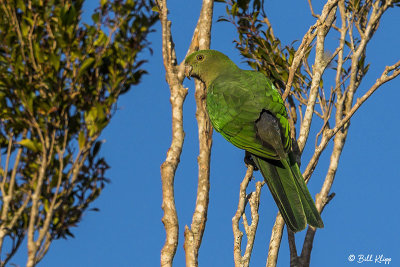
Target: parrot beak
(188, 70)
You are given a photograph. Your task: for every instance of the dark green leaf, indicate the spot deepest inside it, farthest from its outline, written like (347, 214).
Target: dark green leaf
(85, 65)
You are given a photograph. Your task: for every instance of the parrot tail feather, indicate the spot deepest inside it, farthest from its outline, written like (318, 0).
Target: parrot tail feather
(290, 193)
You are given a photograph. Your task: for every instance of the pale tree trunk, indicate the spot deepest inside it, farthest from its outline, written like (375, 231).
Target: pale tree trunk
(174, 76)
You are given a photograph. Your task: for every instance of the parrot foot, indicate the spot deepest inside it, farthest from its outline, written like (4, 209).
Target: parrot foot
(248, 160)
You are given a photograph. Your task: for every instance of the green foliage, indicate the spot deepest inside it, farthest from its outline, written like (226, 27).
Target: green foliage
(257, 43)
(264, 51)
(60, 80)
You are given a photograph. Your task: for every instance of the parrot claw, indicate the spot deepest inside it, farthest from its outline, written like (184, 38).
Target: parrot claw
(248, 160)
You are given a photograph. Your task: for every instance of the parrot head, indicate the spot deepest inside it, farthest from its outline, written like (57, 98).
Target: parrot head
(206, 65)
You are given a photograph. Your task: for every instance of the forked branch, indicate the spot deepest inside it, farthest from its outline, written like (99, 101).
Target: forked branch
(253, 199)
(174, 76)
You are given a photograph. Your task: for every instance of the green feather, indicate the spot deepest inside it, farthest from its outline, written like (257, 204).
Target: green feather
(290, 193)
(235, 101)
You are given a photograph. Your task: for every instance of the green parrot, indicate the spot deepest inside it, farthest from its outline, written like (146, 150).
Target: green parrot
(246, 108)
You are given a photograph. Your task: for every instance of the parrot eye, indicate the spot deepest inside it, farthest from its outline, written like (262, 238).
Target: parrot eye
(200, 57)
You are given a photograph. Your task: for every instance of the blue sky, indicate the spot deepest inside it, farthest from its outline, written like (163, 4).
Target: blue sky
(362, 218)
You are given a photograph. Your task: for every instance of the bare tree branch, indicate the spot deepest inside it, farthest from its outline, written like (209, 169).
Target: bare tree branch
(193, 236)
(305, 43)
(175, 76)
(275, 241)
(250, 229)
(395, 69)
(344, 111)
(319, 67)
(312, 9)
(292, 248)
(320, 29)
(316, 97)
(168, 168)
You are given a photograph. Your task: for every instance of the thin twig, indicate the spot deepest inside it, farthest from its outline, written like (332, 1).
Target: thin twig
(312, 10)
(305, 43)
(250, 229)
(319, 67)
